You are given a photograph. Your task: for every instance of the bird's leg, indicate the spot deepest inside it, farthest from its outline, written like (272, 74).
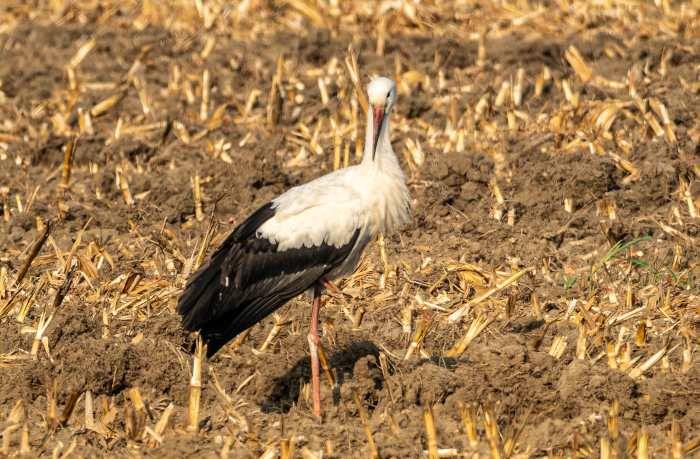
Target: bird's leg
(314, 343)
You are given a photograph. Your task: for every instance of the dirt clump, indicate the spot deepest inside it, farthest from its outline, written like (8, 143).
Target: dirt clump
(517, 155)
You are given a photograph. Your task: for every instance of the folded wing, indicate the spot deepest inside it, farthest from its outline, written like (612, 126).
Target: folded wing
(255, 272)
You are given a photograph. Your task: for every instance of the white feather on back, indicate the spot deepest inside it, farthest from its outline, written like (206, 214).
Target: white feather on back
(331, 208)
(327, 209)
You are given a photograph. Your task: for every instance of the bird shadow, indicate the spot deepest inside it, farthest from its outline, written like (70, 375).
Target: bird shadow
(287, 388)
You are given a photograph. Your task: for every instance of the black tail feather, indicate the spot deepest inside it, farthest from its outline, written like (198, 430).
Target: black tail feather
(199, 294)
(246, 279)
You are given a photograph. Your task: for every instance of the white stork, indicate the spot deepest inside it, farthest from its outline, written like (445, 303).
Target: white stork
(301, 240)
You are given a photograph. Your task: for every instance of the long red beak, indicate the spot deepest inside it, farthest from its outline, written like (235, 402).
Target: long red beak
(378, 119)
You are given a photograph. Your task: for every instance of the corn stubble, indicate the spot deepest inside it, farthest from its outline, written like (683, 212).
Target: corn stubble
(625, 313)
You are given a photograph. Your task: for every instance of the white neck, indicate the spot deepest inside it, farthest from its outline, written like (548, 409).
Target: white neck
(383, 157)
(386, 180)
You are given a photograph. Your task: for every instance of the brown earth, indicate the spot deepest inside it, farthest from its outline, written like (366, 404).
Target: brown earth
(549, 405)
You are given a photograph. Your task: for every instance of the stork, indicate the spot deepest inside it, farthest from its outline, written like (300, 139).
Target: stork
(301, 240)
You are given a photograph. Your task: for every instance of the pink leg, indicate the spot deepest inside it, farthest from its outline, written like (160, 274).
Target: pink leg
(314, 342)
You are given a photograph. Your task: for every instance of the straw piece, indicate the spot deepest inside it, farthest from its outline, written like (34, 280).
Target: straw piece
(431, 432)
(68, 150)
(578, 63)
(477, 326)
(637, 371)
(468, 416)
(310, 11)
(457, 315)
(195, 387)
(493, 435)
(373, 453)
(351, 64)
(36, 248)
(275, 100)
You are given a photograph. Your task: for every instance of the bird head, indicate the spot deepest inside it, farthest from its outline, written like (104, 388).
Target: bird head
(381, 93)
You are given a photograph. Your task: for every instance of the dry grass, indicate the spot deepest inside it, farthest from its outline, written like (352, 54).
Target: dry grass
(618, 303)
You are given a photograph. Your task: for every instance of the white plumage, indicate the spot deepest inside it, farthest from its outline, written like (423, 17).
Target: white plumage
(371, 196)
(301, 240)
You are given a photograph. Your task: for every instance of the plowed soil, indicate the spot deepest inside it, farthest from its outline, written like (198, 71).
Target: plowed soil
(117, 328)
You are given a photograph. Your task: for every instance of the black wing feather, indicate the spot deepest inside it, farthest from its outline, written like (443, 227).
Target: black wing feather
(247, 278)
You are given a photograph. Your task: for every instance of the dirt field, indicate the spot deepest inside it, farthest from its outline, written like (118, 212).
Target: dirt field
(553, 153)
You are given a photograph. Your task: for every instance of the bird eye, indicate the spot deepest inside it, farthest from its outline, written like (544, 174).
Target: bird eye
(388, 94)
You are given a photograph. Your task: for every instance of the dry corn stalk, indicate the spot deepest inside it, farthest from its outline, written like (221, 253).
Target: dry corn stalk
(135, 418)
(68, 152)
(650, 362)
(477, 326)
(605, 451)
(197, 192)
(106, 104)
(351, 64)
(4, 192)
(492, 433)
(422, 326)
(29, 301)
(41, 327)
(373, 452)
(481, 50)
(82, 53)
(578, 63)
(558, 346)
(642, 444)
(123, 186)
(468, 415)
(276, 328)
(457, 315)
(206, 241)
(614, 420)
(581, 343)
(206, 88)
(275, 100)
(431, 432)
(660, 109)
(228, 402)
(163, 421)
(195, 387)
(518, 87)
(310, 10)
(36, 248)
